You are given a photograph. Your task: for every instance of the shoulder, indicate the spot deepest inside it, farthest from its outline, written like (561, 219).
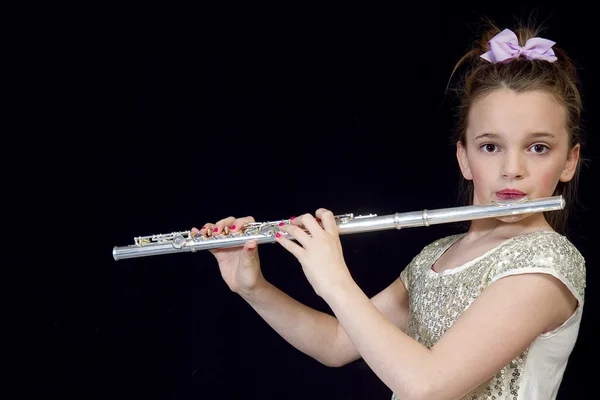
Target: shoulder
(542, 252)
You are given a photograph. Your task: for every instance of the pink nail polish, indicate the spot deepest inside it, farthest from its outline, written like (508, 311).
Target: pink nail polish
(292, 218)
(216, 230)
(281, 223)
(278, 235)
(232, 227)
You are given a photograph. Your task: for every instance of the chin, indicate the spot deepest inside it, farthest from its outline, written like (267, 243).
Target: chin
(513, 218)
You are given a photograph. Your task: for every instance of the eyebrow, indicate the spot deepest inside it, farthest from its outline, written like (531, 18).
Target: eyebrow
(534, 135)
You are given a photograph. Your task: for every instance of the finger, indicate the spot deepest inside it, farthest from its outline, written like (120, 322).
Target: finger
(309, 222)
(239, 223)
(223, 225)
(296, 232)
(206, 230)
(328, 220)
(250, 251)
(289, 245)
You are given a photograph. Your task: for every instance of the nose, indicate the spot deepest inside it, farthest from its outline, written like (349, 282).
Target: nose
(513, 166)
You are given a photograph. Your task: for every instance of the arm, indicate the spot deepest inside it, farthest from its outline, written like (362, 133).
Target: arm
(497, 327)
(318, 334)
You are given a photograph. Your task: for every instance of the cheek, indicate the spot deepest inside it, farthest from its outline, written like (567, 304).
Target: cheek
(548, 180)
(481, 181)
(549, 171)
(480, 171)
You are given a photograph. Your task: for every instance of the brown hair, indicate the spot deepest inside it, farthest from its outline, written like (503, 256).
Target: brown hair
(558, 78)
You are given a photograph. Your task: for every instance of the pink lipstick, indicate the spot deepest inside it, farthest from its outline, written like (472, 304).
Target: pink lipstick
(510, 194)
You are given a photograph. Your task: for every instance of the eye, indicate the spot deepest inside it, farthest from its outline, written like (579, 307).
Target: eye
(488, 147)
(540, 148)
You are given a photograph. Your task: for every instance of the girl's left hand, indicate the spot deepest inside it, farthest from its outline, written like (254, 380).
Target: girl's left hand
(320, 252)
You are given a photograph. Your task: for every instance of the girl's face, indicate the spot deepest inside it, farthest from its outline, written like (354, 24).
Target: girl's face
(516, 146)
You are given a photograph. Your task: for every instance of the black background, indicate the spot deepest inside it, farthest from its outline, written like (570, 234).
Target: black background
(177, 117)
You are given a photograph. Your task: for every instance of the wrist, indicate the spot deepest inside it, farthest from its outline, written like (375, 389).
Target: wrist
(339, 289)
(255, 292)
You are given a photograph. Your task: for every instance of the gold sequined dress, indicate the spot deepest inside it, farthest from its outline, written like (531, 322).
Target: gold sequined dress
(437, 300)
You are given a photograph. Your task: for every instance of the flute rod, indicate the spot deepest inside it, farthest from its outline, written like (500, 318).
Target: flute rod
(264, 232)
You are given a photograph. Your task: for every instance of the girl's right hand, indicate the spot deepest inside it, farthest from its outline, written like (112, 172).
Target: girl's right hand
(240, 266)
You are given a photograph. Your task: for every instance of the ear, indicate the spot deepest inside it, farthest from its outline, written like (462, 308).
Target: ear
(571, 164)
(461, 156)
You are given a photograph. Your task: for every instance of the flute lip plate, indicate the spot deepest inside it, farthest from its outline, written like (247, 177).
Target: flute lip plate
(509, 202)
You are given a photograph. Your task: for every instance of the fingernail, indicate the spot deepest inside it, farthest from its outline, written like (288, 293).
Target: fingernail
(281, 223)
(292, 218)
(277, 234)
(250, 248)
(232, 227)
(216, 230)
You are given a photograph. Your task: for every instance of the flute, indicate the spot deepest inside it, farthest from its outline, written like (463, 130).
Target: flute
(264, 232)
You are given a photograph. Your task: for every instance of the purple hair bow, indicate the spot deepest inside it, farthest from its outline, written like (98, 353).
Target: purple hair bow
(504, 47)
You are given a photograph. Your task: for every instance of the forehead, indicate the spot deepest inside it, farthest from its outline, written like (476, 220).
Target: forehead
(510, 113)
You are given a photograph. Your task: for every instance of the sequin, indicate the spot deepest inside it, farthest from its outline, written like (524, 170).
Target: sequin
(437, 300)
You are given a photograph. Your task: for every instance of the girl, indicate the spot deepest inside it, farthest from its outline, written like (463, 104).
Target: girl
(490, 313)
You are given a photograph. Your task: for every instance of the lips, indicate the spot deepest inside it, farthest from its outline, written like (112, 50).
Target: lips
(510, 194)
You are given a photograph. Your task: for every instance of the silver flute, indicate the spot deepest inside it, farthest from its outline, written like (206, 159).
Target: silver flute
(264, 232)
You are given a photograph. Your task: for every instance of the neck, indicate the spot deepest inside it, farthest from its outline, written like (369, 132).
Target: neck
(504, 228)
